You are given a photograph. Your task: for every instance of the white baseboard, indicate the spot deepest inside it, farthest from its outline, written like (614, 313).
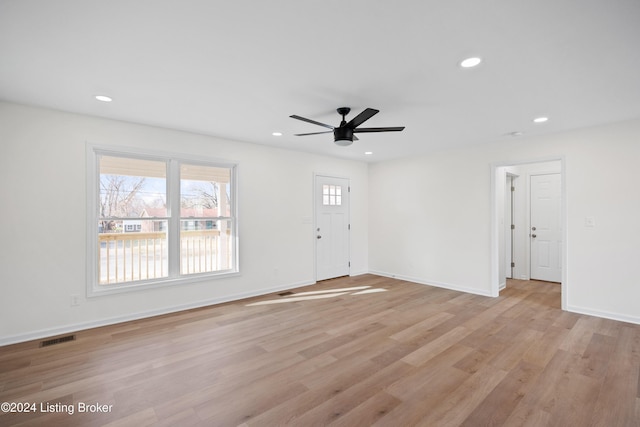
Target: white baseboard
(45, 333)
(575, 309)
(604, 314)
(358, 273)
(433, 283)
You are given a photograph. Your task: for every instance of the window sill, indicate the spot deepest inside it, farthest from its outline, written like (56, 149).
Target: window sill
(146, 285)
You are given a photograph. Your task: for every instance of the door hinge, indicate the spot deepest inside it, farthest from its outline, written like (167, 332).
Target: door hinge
(349, 227)
(513, 188)
(513, 264)
(513, 226)
(349, 263)
(349, 189)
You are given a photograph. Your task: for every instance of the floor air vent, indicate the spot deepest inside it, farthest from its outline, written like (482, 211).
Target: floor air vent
(58, 340)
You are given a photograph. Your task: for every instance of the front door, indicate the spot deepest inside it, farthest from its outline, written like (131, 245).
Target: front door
(546, 228)
(332, 227)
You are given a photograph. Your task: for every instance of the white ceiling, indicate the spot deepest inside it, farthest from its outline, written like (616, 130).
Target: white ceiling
(239, 69)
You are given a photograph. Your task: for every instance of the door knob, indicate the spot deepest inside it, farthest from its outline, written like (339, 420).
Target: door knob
(318, 237)
(533, 228)
(534, 236)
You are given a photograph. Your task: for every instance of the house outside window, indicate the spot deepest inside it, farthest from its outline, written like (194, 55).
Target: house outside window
(157, 220)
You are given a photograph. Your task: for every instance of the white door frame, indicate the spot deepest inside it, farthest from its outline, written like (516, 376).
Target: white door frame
(508, 230)
(497, 179)
(317, 175)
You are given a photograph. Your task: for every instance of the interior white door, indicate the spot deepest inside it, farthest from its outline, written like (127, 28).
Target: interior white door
(332, 227)
(546, 227)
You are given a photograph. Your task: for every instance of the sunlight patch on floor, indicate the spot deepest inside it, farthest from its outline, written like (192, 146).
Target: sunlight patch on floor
(292, 299)
(329, 293)
(370, 291)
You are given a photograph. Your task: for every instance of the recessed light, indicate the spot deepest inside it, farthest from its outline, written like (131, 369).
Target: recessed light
(104, 98)
(540, 119)
(277, 134)
(368, 153)
(470, 62)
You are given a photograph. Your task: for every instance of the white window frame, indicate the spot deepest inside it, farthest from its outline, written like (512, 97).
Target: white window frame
(173, 160)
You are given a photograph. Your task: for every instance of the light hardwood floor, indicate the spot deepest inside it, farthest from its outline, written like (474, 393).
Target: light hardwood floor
(391, 353)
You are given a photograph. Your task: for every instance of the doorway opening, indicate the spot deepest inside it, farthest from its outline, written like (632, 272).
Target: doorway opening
(528, 223)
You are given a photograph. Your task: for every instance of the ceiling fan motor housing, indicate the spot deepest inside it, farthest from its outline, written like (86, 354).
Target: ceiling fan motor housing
(343, 136)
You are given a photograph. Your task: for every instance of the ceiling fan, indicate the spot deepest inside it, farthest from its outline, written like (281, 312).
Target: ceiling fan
(344, 134)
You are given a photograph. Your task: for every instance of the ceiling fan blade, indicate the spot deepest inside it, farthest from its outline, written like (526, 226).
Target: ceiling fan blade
(362, 117)
(312, 133)
(387, 129)
(311, 121)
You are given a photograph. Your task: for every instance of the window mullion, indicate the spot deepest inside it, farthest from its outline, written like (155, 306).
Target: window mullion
(173, 201)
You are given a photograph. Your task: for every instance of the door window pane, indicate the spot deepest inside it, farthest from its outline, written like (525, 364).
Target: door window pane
(331, 195)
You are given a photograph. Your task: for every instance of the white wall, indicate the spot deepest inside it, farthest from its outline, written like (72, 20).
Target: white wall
(426, 218)
(42, 220)
(429, 220)
(430, 217)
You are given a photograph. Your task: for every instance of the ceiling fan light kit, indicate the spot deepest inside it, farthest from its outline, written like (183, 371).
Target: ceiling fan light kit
(343, 135)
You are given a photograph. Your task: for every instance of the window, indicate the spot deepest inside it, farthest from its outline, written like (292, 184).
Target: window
(331, 195)
(205, 218)
(158, 220)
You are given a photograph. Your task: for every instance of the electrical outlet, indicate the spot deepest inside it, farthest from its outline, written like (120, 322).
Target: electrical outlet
(75, 300)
